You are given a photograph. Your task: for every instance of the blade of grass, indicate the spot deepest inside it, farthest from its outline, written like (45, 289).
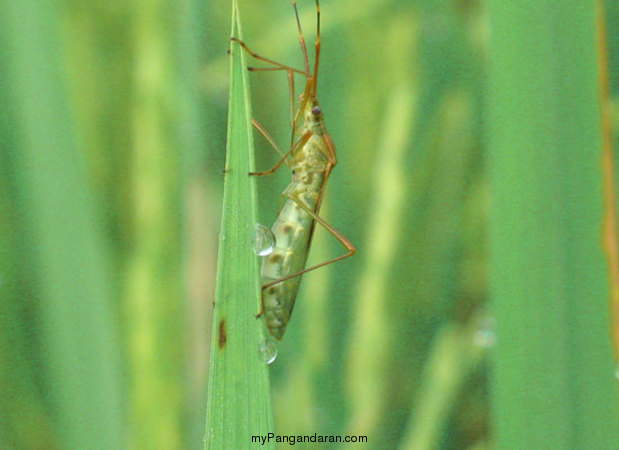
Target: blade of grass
(152, 285)
(239, 403)
(201, 221)
(454, 356)
(58, 278)
(369, 331)
(553, 386)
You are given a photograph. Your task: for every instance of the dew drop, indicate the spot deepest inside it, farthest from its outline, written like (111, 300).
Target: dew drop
(264, 241)
(268, 349)
(485, 336)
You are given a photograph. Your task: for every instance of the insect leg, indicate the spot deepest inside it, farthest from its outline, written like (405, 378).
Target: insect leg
(266, 60)
(258, 126)
(300, 143)
(262, 308)
(290, 75)
(291, 99)
(351, 249)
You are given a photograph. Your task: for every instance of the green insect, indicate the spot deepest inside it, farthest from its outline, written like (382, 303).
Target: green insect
(312, 158)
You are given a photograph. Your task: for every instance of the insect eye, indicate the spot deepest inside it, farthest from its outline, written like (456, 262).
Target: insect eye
(316, 110)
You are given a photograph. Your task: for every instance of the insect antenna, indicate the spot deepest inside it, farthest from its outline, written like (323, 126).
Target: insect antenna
(301, 38)
(317, 57)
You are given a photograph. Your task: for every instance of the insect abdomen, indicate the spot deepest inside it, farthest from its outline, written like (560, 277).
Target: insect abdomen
(292, 234)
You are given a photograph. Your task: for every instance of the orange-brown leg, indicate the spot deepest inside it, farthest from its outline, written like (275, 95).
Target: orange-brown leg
(351, 249)
(266, 60)
(258, 126)
(300, 143)
(290, 75)
(290, 71)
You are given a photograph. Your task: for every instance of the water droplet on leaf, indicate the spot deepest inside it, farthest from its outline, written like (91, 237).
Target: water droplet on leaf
(268, 349)
(264, 241)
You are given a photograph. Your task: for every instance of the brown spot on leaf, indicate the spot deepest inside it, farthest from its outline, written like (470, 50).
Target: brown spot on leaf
(223, 334)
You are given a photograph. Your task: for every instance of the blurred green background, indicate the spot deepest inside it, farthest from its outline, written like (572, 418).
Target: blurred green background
(112, 131)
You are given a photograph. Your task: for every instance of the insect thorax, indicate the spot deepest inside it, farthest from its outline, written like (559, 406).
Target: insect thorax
(312, 156)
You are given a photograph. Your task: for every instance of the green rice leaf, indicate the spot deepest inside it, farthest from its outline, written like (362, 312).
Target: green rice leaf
(554, 380)
(239, 404)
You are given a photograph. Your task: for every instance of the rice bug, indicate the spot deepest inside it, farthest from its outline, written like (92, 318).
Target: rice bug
(311, 158)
